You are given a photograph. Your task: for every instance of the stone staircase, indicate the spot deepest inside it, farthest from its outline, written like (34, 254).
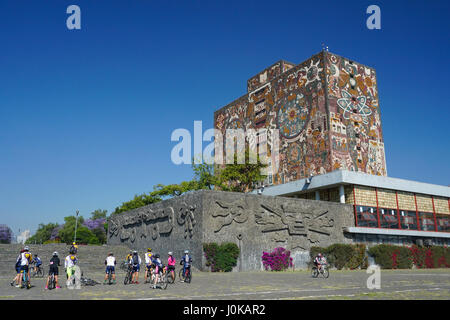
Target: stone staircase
(91, 257)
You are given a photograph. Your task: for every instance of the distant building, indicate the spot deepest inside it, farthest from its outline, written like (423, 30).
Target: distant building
(23, 236)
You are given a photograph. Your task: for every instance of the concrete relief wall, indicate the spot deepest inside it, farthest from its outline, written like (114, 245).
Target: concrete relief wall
(172, 225)
(262, 223)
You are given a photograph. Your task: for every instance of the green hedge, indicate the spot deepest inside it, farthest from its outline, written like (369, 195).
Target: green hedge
(221, 257)
(343, 256)
(398, 257)
(391, 257)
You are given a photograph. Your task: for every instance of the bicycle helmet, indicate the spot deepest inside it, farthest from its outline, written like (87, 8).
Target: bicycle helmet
(186, 251)
(26, 249)
(110, 254)
(170, 253)
(157, 256)
(149, 249)
(55, 254)
(134, 252)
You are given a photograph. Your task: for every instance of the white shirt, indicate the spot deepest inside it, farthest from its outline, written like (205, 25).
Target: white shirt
(24, 261)
(148, 259)
(110, 261)
(68, 262)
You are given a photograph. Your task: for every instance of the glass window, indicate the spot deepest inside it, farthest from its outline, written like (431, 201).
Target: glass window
(366, 216)
(388, 218)
(426, 221)
(408, 220)
(443, 222)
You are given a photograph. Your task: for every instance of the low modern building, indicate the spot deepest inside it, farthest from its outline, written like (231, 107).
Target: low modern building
(386, 210)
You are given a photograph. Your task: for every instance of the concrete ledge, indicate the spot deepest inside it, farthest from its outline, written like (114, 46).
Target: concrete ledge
(393, 232)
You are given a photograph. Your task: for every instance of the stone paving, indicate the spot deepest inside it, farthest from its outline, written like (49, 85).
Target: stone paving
(292, 285)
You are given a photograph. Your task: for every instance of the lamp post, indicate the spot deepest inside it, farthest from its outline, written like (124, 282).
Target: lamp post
(76, 224)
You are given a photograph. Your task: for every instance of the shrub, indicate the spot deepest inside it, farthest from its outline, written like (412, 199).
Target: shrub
(278, 260)
(221, 257)
(339, 256)
(391, 257)
(430, 257)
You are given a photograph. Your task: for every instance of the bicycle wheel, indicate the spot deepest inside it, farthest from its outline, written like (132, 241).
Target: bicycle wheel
(314, 272)
(40, 272)
(127, 278)
(181, 275)
(164, 281)
(188, 276)
(325, 273)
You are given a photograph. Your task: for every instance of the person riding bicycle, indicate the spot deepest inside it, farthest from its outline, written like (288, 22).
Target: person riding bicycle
(170, 263)
(148, 263)
(69, 264)
(25, 260)
(158, 269)
(319, 261)
(186, 261)
(73, 248)
(53, 270)
(37, 262)
(135, 262)
(110, 263)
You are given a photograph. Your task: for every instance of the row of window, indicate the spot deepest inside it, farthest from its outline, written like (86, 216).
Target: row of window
(402, 219)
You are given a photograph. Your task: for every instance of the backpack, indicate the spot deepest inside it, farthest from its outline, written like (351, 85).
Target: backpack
(135, 260)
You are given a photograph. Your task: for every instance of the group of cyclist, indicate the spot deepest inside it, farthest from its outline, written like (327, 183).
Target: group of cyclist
(154, 266)
(25, 260)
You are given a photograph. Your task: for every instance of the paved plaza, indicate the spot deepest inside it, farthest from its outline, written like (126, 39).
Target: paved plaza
(293, 285)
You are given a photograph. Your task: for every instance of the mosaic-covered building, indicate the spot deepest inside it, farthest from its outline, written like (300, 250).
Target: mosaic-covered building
(327, 112)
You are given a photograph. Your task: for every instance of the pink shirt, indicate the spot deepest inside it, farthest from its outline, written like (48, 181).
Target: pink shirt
(171, 261)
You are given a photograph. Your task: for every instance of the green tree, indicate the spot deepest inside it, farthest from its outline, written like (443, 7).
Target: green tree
(43, 233)
(99, 214)
(137, 202)
(240, 177)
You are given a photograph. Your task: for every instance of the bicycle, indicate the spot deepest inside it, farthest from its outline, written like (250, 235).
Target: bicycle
(171, 275)
(37, 271)
(52, 282)
(162, 280)
(110, 277)
(187, 277)
(124, 266)
(129, 275)
(25, 280)
(323, 271)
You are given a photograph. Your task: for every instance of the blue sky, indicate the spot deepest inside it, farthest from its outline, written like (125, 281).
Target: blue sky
(86, 115)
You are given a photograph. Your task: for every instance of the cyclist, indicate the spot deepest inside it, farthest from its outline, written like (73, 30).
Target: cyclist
(69, 264)
(25, 260)
(135, 263)
(186, 261)
(319, 261)
(110, 263)
(158, 269)
(17, 267)
(148, 263)
(54, 264)
(37, 262)
(171, 265)
(73, 248)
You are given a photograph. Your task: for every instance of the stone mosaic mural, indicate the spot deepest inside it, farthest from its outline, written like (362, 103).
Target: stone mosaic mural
(327, 113)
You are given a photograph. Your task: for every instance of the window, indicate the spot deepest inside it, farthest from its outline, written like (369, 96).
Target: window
(426, 221)
(388, 218)
(443, 222)
(408, 220)
(366, 216)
